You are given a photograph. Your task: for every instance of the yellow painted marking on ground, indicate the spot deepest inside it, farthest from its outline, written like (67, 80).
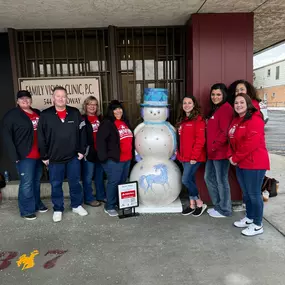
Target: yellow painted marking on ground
(27, 261)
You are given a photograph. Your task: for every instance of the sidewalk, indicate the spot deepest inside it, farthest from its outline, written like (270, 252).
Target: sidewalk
(276, 108)
(164, 249)
(274, 209)
(146, 250)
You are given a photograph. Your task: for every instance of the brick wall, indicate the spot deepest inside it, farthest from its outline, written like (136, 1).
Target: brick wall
(275, 95)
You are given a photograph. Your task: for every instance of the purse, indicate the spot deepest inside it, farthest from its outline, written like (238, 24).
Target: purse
(271, 185)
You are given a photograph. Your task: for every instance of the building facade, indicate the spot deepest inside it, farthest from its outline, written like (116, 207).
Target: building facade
(269, 81)
(126, 60)
(185, 59)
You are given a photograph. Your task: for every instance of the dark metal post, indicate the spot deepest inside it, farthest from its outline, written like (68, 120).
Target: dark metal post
(113, 64)
(14, 58)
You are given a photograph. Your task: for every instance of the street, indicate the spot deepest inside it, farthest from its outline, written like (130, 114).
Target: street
(275, 132)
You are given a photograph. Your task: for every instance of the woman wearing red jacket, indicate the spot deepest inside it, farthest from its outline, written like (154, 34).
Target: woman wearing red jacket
(191, 151)
(237, 87)
(248, 152)
(217, 166)
(243, 86)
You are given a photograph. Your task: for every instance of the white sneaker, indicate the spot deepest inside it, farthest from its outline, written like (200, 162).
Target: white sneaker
(216, 214)
(80, 211)
(243, 223)
(210, 210)
(57, 216)
(252, 230)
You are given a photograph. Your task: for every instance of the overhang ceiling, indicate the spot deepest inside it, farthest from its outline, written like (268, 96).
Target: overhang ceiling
(269, 15)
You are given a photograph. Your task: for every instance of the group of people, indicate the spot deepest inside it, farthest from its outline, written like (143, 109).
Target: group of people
(87, 145)
(67, 142)
(232, 133)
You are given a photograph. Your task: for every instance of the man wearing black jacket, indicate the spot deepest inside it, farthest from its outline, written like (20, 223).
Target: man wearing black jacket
(20, 136)
(62, 145)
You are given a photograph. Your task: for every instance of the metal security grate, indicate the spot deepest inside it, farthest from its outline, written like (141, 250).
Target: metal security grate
(126, 59)
(150, 57)
(70, 52)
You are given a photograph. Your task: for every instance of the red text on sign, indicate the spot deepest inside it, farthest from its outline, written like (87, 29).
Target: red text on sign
(128, 194)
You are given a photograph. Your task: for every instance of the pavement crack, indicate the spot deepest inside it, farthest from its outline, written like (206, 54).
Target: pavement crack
(283, 234)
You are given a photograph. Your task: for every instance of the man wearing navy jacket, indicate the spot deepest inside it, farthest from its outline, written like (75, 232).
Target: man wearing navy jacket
(61, 134)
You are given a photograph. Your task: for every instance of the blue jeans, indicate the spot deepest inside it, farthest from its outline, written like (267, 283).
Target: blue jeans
(117, 173)
(188, 179)
(250, 182)
(29, 197)
(57, 173)
(217, 181)
(90, 170)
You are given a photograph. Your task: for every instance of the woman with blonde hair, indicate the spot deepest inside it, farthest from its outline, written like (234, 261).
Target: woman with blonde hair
(91, 165)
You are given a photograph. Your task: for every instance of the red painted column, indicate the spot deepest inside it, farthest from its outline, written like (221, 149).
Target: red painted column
(219, 49)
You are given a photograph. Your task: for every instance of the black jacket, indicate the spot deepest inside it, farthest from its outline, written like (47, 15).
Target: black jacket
(91, 153)
(61, 141)
(18, 133)
(108, 141)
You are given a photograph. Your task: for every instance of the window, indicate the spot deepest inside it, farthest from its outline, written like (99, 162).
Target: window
(277, 72)
(268, 72)
(273, 95)
(150, 57)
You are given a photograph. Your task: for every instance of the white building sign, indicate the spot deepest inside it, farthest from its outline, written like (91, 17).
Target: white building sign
(78, 89)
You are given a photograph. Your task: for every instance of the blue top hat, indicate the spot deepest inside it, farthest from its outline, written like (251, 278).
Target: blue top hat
(155, 97)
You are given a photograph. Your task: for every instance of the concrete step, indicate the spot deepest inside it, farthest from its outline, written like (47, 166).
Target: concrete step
(12, 188)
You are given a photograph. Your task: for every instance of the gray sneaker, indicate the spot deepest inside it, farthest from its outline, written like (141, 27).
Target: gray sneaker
(111, 213)
(239, 208)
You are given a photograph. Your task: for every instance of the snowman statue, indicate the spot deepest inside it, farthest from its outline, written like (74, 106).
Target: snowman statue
(159, 178)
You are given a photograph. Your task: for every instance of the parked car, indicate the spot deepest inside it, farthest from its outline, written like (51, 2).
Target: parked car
(263, 109)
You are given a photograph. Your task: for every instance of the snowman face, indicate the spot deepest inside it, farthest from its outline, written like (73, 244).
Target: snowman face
(157, 114)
